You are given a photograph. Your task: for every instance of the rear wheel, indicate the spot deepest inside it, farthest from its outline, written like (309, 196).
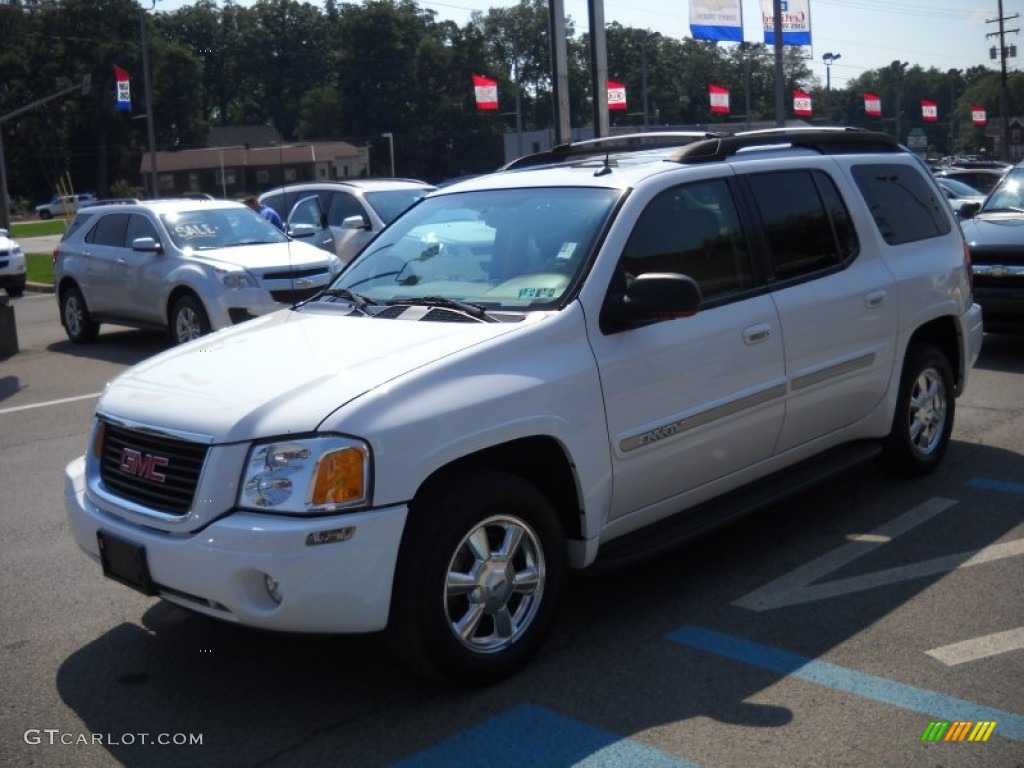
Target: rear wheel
(187, 320)
(923, 421)
(480, 571)
(74, 316)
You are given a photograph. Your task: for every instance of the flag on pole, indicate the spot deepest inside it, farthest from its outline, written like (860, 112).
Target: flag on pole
(124, 98)
(720, 20)
(719, 98)
(872, 105)
(929, 111)
(978, 115)
(802, 104)
(486, 92)
(616, 95)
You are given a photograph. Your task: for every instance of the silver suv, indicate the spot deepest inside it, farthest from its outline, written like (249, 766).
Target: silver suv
(343, 216)
(185, 266)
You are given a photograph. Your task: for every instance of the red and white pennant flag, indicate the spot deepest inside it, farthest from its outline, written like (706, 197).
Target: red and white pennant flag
(486, 92)
(802, 104)
(616, 95)
(719, 98)
(872, 105)
(929, 111)
(978, 115)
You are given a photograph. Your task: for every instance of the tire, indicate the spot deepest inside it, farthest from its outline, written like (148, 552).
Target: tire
(16, 289)
(75, 317)
(187, 320)
(45, 215)
(925, 408)
(457, 615)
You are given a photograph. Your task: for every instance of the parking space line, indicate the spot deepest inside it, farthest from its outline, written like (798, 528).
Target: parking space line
(535, 736)
(795, 587)
(48, 403)
(908, 697)
(979, 647)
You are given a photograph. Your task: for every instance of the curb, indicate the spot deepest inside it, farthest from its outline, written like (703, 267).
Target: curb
(39, 287)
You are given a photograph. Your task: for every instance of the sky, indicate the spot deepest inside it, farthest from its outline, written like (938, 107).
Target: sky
(866, 34)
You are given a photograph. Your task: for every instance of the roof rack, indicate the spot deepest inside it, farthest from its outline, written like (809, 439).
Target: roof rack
(829, 141)
(636, 142)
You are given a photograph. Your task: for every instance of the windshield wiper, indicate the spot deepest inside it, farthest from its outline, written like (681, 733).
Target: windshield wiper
(359, 301)
(476, 311)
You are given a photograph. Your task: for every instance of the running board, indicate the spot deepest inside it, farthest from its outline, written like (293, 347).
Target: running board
(704, 518)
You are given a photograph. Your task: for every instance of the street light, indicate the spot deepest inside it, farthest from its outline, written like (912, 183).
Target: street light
(391, 146)
(829, 59)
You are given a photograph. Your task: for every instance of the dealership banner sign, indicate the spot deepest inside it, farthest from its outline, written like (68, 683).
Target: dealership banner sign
(872, 105)
(802, 104)
(719, 98)
(796, 22)
(978, 115)
(124, 98)
(720, 20)
(616, 95)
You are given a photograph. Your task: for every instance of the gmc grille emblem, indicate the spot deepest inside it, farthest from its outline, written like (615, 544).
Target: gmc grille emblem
(144, 465)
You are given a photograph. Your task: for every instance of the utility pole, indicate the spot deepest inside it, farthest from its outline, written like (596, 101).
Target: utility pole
(1004, 148)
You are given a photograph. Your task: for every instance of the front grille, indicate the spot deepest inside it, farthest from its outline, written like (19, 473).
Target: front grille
(290, 297)
(156, 471)
(295, 274)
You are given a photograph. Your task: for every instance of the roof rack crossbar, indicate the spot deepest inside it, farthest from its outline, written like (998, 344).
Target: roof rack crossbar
(622, 143)
(826, 141)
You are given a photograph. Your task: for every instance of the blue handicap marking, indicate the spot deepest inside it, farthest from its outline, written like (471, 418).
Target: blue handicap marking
(909, 697)
(996, 485)
(533, 736)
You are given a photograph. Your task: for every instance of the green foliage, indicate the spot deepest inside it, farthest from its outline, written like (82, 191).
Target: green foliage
(351, 71)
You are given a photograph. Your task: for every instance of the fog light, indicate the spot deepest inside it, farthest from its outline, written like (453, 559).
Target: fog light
(273, 588)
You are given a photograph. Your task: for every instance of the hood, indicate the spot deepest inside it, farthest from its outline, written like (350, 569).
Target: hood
(264, 255)
(995, 231)
(282, 373)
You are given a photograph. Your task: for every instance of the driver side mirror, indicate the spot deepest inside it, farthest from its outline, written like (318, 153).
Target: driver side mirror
(651, 298)
(147, 245)
(355, 222)
(969, 210)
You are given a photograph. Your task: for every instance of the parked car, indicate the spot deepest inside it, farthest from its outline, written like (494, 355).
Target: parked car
(588, 358)
(185, 266)
(995, 236)
(64, 205)
(343, 216)
(982, 179)
(12, 265)
(959, 194)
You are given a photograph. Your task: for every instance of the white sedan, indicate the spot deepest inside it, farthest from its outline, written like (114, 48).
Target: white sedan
(12, 265)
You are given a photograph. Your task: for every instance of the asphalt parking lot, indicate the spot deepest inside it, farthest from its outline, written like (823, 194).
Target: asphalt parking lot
(844, 627)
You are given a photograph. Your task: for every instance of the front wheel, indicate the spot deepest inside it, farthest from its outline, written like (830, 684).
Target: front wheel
(480, 571)
(923, 421)
(188, 320)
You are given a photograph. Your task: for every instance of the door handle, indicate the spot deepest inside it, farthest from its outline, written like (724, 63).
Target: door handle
(875, 299)
(756, 333)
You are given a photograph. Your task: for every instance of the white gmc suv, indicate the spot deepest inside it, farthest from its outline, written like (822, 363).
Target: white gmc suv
(593, 354)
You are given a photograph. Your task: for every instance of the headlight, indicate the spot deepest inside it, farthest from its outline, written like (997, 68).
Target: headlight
(237, 279)
(307, 476)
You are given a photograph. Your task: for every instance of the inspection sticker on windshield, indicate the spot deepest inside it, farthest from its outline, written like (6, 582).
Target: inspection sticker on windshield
(538, 293)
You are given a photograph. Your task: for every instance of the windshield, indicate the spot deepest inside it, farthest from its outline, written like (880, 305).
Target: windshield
(1009, 195)
(959, 189)
(503, 249)
(220, 228)
(388, 204)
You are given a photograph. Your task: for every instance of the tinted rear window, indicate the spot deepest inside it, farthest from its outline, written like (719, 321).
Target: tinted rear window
(905, 205)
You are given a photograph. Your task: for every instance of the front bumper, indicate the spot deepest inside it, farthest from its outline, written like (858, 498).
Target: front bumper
(221, 570)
